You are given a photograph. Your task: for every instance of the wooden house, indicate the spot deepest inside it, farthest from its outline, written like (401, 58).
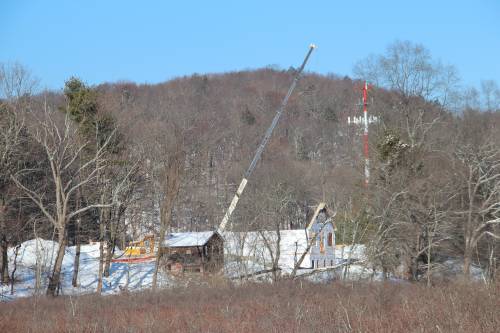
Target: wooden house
(193, 252)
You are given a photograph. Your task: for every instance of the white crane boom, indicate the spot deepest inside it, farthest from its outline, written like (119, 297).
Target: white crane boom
(263, 144)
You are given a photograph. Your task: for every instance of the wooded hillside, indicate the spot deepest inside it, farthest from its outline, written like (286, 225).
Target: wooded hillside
(117, 160)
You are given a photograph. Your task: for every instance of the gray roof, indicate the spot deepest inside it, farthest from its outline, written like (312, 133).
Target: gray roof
(186, 239)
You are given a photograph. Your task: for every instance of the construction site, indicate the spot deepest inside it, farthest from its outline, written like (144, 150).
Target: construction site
(182, 167)
(203, 251)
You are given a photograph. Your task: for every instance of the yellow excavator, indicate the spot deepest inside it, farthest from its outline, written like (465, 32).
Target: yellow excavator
(138, 251)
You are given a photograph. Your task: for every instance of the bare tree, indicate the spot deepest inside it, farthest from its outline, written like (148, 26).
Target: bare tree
(125, 182)
(118, 188)
(11, 127)
(16, 82)
(471, 98)
(78, 241)
(271, 210)
(16, 87)
(169, 163)
(478, 178)
(272, 243)
(410, 211)
(352, 228)
(409, 69)
(490, 91)
(408, 181)
(63, 150)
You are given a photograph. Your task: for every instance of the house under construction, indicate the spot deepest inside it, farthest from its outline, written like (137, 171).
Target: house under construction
(321, 231)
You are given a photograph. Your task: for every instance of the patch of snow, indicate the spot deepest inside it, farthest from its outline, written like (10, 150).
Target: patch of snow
(182, 239)
(123, 276)
(455, 266)
(251, 247)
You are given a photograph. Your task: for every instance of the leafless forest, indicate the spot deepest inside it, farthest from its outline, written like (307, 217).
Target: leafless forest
(114, 161)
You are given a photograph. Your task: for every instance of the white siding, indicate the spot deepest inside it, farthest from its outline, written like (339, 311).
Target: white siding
(322, 254)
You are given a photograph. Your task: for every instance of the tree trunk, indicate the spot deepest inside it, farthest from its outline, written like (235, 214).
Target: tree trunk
(38, 268)
(4, 267)
(349, 256)
(491, 263)
(276, 259)
(76, 265)
(467, 260)
(111, 242)
(56, 273)
(5, 259)
(109, 255)
(429, 252)
(163, 230)
(306, 251)
(13, 276)
(171, 185)
(414, 268)
(101, 256)
(414, 257)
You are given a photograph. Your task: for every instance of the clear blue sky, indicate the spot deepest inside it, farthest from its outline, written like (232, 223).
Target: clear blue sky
(152, 41)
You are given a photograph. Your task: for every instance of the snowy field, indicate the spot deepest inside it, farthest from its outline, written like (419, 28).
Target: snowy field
(245, 254)
(123, 276)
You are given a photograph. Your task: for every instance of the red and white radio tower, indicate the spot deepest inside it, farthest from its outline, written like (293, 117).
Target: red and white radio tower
(365, 121)
(365, 134)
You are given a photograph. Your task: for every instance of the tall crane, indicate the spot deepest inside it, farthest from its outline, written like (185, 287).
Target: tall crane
(262, 146)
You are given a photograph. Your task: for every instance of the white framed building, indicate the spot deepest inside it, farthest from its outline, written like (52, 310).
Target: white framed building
(321, 231)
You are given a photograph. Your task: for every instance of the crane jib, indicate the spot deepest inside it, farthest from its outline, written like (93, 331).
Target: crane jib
(264, 142)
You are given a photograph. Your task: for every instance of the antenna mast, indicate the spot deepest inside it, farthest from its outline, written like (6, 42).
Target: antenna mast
(365, 121)
(365, 134)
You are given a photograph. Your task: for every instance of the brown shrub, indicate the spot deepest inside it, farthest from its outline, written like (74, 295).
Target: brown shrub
(283, 307)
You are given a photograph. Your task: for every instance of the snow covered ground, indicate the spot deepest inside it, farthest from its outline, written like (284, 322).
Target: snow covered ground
(123, 276)
(250, 249)
(245, 254)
